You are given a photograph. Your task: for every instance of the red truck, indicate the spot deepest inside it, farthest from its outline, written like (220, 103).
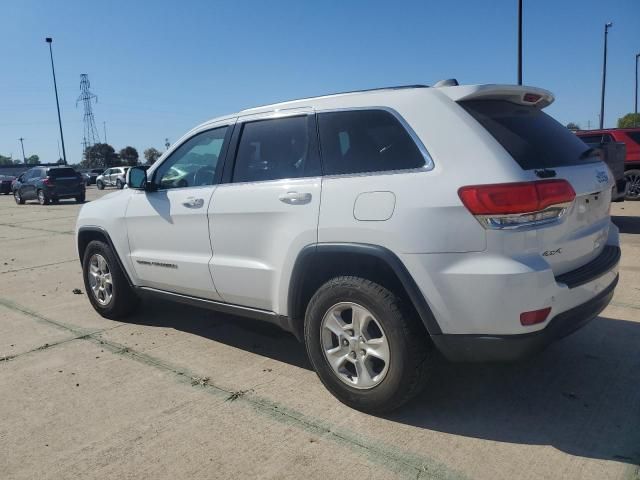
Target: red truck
(631, 138)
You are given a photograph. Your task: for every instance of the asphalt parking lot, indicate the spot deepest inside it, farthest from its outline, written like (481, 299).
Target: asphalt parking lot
(183, 393)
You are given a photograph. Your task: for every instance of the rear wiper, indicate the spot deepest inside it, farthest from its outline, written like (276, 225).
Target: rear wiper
(589, 152)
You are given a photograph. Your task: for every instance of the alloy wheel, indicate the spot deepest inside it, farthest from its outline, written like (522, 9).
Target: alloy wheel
(355, 345)
(633, 185)
(99, 276)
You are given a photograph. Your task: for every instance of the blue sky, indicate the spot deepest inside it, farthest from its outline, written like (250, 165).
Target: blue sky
(161, 67)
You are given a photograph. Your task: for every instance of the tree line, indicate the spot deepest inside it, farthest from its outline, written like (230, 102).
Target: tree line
(32, 160)
(103, 155)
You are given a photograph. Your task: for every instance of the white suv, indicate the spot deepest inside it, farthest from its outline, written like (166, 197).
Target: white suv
(112, 177)
(376, 226)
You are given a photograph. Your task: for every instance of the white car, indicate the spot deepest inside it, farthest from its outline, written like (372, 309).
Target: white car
(112, 177)
(376, 226)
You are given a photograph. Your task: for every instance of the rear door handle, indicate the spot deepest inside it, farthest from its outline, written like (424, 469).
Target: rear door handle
(295, 198)
(192, 202)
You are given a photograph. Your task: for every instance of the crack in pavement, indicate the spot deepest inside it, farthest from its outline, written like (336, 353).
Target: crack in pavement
(40, 220)
(66, 232)
(389, 456)
(35, 267)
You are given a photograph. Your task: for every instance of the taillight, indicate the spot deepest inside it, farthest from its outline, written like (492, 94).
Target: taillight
(47, 181)
(510, 205)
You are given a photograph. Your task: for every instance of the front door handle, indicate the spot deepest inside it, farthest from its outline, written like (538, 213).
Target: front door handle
(192, 202)
(295, 198)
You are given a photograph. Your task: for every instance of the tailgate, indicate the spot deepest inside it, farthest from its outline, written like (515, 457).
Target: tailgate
(581, 235)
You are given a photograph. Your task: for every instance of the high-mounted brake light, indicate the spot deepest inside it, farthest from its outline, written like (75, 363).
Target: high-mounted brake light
(510, 205)
(531, 97)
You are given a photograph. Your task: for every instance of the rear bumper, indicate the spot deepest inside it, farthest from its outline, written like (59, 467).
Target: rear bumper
(506, 348)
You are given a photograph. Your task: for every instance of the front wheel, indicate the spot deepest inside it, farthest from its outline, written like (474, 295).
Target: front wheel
(18, 197)
(367, 347)
(633, 185)
(100, 185)
(105, 283)
(119, 184)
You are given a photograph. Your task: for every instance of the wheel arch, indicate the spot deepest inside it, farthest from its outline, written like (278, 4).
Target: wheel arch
(317, 263)
(87, 234)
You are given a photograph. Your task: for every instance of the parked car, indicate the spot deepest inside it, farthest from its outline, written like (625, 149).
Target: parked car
(5, 183)
(49, 184)
(631, 138)
(112, 177)
(93, 174)
(376, 226)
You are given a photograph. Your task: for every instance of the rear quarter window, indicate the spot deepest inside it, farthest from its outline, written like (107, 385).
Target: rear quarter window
(530, 136)
(359, 141)
(635, 137)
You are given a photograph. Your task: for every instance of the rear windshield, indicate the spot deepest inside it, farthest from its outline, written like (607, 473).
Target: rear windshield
(62, 172)
(635, 136)
(532, 138)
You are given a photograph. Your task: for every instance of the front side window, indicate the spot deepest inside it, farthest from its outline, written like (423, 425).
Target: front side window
(635, 136)
(193, 163)
(275, 149)
(365, 141)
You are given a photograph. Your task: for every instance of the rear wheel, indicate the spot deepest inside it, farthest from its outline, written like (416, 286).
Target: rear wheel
(100, 185)
(18, 197)
(633, 184)
(370, 351)
(42, 198)
(105, 283)
(119, 184)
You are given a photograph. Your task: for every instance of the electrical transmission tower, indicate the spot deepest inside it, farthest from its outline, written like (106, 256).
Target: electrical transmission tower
(90, 136)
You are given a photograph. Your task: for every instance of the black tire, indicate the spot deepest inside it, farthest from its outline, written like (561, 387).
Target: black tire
(633, 185)
(410, 349)
(55, 200)
(119, 184)
(124, 300)
(81, 198)
(100, 185)
(42, 198)
(18, 197)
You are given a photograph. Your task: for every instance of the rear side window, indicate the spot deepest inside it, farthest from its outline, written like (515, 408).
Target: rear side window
(365, 141)
(276, 148)
(62, 172)
(532, 138)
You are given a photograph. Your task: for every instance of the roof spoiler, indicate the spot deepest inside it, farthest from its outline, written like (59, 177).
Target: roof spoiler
(519, 94)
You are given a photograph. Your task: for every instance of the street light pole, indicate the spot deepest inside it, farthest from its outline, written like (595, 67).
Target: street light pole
(24, 159)
(519, 42)
(604, 72)
(49, 40)
(636, 109)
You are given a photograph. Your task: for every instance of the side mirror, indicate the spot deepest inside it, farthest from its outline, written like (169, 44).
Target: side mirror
(137, 178)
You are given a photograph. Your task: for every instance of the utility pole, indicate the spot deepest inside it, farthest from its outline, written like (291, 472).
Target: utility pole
(104, 127)
(90, 136)
(636, 109)
(607, 26)
(49, 40)
(24, 159)
(519, 42)
(166, 144)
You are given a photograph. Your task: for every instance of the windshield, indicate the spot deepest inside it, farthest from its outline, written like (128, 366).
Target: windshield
(532, 138)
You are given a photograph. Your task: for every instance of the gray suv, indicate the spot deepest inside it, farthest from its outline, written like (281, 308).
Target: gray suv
(49, 184)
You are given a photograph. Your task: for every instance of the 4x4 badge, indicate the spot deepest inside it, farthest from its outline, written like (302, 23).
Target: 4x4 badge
(602, 176)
